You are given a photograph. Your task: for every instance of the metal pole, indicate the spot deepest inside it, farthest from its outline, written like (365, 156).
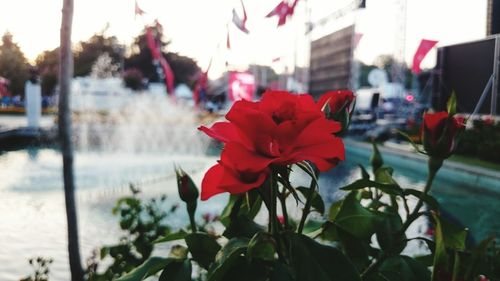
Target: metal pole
(494, 87)
(483, 95)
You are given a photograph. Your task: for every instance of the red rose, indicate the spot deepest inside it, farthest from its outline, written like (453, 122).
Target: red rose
(338, 106)
(281, 129)
(439, 132)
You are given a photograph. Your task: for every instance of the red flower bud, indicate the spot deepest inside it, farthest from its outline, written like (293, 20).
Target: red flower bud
(439, 132)
(188, 192)
(338, 106)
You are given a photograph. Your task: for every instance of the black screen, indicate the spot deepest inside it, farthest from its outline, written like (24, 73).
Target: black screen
(465, 69)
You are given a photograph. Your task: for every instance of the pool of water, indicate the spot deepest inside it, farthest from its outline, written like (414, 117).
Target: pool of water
(32, 215)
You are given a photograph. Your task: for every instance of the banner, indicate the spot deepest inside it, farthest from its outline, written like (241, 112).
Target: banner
(283, 10)
(422, 50)
(241, 86)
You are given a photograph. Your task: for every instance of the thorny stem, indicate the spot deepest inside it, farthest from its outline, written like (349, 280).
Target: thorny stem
(307, 206)
(434, 165)
(282, 198)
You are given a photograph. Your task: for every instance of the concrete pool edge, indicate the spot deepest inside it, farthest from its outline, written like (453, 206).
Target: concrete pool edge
(480, 176)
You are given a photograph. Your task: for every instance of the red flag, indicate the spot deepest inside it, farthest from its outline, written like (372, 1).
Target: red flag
(158, 58)
(228, 42)
(422, 50)
(138, 10)
(152, 44)
(240, 22)
(282, 10)
(200, 90)
(169, 75)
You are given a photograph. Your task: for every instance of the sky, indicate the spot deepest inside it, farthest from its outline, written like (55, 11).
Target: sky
(197, 28)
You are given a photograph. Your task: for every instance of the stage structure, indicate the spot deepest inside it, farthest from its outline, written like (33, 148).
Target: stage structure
(331, 61)
(471, 70)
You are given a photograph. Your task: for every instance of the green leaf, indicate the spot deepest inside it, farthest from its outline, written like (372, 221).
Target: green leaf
(181, 234)
(384, 175)
(356, 219)
(334, 210)
(177, 271)
(388, 236)
(203, 248)
(261, 246)
(311, 226)
(392, 189)
(317, 202)
(250, 206)
(148, 268)
(227, 257)
(428, 199)
(316, 262)
(403, 268)
(364, 173)
(242, 226)
(281, 272)
(477, 254)
(376, 159)
(357, 250)
(310, 170)
(447, 235)
(451, 106)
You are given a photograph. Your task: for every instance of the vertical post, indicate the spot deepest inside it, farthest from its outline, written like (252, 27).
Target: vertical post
(65, 76)
(33, 94)
(494, 87)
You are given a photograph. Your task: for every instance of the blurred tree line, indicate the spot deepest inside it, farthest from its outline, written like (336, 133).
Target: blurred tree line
(137, 58)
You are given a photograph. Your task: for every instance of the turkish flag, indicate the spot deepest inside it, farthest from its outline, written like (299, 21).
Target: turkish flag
(422, 50)
(282, 10)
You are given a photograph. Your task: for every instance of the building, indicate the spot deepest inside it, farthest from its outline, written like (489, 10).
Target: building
(331, 60)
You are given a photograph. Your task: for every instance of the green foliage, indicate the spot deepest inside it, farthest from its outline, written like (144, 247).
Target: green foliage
(362, 237)
(87, 52)
(184, 68)
(13, 64)
(48, 67)
(143, 222)
(41, 269)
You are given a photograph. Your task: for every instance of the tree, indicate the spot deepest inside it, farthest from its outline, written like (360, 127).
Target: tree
(48, 67)
(13, 64)
(65, 75)
(184, 68)
(87, 52)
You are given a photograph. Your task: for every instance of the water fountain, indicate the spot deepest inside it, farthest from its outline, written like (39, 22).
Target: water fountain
(121, 137)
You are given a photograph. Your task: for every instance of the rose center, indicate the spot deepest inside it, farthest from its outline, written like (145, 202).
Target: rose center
(284, 112)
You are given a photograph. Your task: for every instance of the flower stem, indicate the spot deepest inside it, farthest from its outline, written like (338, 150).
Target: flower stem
(273, 205)
(434, 166)
(307, 206)
(191, 207)
(282, 198)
